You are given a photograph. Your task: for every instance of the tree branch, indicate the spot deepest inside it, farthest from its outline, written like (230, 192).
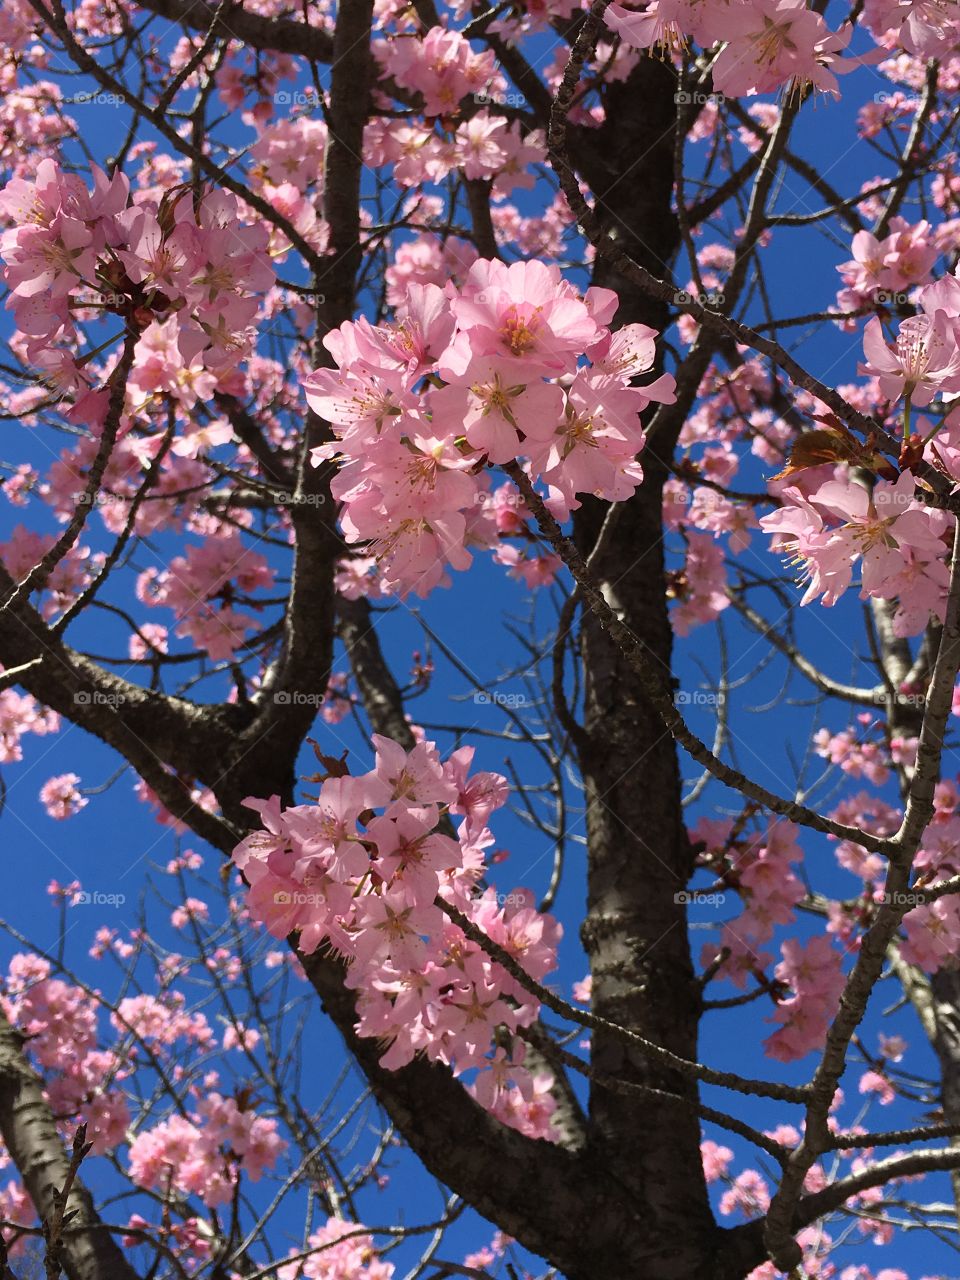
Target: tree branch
(30, 1135)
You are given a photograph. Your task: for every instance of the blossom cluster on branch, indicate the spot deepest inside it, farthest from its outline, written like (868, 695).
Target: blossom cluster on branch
(359, 872)
(484, 373)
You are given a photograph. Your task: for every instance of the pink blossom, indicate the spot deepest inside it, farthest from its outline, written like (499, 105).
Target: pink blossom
(422, 987)
(716, 1160)
(924, 360)
(61, 798)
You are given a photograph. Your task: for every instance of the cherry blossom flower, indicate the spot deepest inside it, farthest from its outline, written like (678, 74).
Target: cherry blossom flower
(923, 362)
(61, 798)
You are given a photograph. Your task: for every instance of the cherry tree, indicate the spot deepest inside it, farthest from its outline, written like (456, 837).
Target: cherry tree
(627, 338)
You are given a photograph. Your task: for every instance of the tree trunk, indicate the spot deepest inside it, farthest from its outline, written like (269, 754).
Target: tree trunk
(639, 857)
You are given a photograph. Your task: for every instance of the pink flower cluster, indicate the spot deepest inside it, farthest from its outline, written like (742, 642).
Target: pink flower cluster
(445, 71)
(69, 247)
(855, 756)
(879, 269)
(808, 980)
(932, 931)
(747, 1194)
(61, 1022)
(204, 1153)
(19, 715)
(923, 27)
(442, 68)
(360, 870)
(162, 1020)
(899, 543)
(201, 587)
(761, 874)
(700, 588)
(204, 1156)
(485, 373)
(813, 972)
(61, 797)
(767, 44)
(922, 363)
(26, 547)
(342, 1251)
